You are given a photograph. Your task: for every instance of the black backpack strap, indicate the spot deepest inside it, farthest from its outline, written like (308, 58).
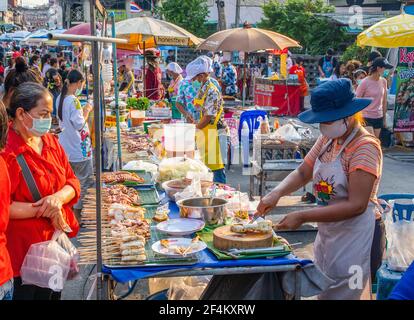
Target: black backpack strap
(28, 177)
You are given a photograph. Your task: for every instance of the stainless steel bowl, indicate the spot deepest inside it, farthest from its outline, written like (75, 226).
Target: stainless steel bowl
(211, 210)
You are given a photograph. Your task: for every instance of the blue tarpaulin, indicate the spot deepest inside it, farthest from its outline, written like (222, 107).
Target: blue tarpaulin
(206, 260)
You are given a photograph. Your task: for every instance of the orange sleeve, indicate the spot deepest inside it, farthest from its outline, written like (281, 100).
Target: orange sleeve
(367, 156)
(314, 153)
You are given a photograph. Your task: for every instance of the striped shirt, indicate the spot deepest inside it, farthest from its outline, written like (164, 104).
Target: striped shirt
(362, 153)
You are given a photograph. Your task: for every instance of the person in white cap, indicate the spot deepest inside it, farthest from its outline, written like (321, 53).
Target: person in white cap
(188, 91)
(210, 102)
(174, 71)
(228, 76)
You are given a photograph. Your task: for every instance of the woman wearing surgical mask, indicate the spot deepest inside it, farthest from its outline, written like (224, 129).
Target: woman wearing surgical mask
(31, 149)
(174, 71)
(375, 87)
(358, 76)
(344, 167)
(75, 136)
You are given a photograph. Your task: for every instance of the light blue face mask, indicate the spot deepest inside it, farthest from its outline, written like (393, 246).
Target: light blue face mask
(196, 84)
(78, 92)
(386, 73)
(40, 126)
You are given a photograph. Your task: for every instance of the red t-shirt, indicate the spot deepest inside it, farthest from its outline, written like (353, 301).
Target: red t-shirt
(51, 171)
(153, 84)
(6, 272)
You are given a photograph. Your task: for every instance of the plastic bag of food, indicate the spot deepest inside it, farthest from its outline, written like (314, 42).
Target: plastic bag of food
(192, 191)
(188, 288)
(47, 264)
(400, 239)
(287, 132)
(141, 165)
(178, 167)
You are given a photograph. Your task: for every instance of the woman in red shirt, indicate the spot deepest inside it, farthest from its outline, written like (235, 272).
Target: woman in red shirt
(6, 272)
(31, 222)
(153, 77)
(299, 70)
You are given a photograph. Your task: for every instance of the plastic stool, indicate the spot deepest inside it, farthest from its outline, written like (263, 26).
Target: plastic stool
(251, 117)
(401, 211)
(386, 281)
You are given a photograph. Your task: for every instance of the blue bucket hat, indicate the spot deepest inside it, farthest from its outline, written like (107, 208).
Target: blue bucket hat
(333, 100)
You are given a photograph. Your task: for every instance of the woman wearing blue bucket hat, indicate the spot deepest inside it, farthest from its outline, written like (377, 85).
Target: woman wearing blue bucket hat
(345, 168)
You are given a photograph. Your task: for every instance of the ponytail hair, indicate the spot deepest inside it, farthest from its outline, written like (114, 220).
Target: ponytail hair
(73, 76)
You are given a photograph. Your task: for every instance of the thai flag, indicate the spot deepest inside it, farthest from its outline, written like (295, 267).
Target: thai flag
(135, 8)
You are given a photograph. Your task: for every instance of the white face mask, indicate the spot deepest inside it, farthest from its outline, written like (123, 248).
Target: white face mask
(335, 129)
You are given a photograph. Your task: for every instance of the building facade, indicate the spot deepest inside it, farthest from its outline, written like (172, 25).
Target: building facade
(35, 18)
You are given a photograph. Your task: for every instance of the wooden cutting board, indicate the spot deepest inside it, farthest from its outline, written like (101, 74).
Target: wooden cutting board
(224, 239)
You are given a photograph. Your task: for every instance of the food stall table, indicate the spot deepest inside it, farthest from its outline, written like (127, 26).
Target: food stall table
(208, 264)
(282, 94)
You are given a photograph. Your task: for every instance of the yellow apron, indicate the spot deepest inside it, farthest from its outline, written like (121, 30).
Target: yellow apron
(207, 139)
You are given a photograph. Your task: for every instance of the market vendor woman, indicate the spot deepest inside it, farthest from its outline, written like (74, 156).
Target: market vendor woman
(345, 165)
(210, 102)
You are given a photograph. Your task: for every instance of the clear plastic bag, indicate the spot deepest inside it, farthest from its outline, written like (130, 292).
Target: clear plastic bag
(287, 132)
(188, 288)
(192, 191)
(178, 168)
(68, 246)
(400, 239)
(46, 265)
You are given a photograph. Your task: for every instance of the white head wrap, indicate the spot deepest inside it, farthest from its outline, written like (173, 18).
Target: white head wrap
(197, 66)
(174, 67)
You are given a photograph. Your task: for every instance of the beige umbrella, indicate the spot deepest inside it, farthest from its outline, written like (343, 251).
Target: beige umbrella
(153, 32)
(247, 39)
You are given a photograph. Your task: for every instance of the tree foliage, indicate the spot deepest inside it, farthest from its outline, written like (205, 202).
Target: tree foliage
(188, 14)
(355, 52)
(297, 19)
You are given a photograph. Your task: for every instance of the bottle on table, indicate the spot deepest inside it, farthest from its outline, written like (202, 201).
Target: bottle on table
(245, 143)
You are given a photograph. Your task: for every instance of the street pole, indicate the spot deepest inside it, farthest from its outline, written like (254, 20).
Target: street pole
(237, 20)
(115, 70)
(128, 9)
(221, 15)
(98, 164)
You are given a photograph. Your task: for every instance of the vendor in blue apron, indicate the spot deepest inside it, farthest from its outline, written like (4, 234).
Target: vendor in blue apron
(344, 167)
(327, 64)
(209, 101)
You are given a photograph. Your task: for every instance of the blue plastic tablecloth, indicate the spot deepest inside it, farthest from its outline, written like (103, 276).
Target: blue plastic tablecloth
(206, 260)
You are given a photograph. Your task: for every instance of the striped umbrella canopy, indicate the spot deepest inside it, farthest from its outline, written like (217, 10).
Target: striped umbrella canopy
(19, 35)
(41, 36)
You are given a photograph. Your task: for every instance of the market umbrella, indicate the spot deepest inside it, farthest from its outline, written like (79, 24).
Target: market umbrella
(153, 32)
(394, 32)
(83, 29)
(247, 39)
(41, 36)
(19, 35)
(5, 37)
